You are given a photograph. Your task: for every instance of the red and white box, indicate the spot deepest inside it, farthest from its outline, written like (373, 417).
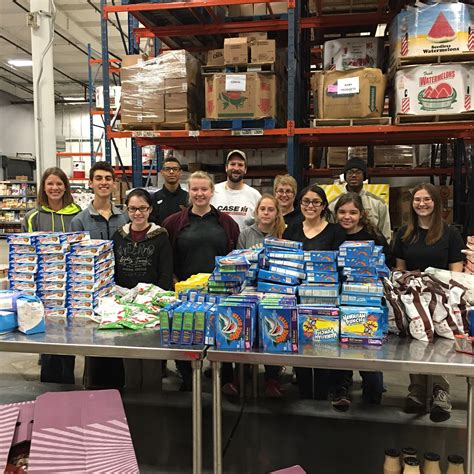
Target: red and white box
(83, 431)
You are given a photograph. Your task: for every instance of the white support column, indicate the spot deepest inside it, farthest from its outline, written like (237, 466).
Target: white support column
(42, 27)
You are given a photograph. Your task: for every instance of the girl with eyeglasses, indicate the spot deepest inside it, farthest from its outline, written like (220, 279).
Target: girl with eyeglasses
(142, 255)
(316, 233)
(427, 241)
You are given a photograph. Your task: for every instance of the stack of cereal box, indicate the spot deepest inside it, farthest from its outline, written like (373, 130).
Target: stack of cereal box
(229, 274)
(278, 324)
(252, 256)
(469, 264)
(363, 317)
(321, 285)
(90, 276)
(281, 266)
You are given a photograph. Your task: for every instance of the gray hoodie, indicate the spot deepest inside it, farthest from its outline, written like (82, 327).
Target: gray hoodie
(251, 237)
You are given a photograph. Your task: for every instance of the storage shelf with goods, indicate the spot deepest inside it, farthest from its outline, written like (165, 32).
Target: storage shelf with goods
(305, 27)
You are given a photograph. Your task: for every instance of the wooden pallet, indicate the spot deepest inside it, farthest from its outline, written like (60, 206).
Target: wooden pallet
(237, 124)
(157, 126)
(456, 118)
(352, 122)
(232, 68)
(466, 56)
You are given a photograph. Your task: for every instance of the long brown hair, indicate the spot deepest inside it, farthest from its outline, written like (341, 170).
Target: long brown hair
(314, 188)
(279, 225)
(355, 199)
(43, 198)
(435, 232)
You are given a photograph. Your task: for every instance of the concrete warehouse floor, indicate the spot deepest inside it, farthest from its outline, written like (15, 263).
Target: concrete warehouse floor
(263, 435)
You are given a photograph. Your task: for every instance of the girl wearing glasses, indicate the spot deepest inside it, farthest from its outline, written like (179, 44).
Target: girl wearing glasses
(427, 241)
(142, 255)
(198, 234)
(316, 233)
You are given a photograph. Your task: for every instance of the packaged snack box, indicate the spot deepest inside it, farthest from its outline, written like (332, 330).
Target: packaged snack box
(362, 325)
(317, 324)
(278, 328)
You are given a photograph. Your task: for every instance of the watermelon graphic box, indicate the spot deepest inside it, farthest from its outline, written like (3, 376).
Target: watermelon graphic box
(435, 30)
(434, 89)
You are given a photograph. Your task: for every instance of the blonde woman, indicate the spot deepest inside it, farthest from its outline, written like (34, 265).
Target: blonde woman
(268, 222)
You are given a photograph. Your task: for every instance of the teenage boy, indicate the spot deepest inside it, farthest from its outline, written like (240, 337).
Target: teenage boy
(101, 219)
(233, 196)
(171, 198)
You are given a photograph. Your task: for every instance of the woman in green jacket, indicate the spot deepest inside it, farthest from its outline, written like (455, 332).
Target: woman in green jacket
(54, 213)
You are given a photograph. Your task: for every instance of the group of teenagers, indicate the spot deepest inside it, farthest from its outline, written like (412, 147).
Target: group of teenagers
(170, 235)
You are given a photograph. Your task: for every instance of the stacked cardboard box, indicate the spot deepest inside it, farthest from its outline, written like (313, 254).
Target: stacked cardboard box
(356, 93)
(162, 91)
(351, 53)
(434, 33)
(277, 8)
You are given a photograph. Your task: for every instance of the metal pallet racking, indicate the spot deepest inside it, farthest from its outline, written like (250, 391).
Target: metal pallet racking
(172, 22)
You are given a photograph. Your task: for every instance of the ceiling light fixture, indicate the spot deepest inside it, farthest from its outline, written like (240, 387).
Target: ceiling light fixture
(20, 62)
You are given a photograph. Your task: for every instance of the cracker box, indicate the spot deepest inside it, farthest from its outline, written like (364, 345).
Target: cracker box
(441, 29)
(276, 278)
(322, 277)
(362, 325)
(319, 290)
(278, 325)
(287, 271)
(360, 300)
(298, 265)
(282, 244)
(320, 256)
(359, 262)
(268, 287)
(434, 89)
(283, 255)
(317, 325)
(329, 267)
(360, 248)
(372, 289)
(235, 326)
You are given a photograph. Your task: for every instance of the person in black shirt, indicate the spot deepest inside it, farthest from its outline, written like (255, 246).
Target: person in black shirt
(171, 197)
(316, 233)
(142, 255)
(351, 216)
(198, 234)
(428, 241)
(284, 189)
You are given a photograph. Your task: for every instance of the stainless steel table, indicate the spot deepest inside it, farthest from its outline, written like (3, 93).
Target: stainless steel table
(88, 341)
(397, 354)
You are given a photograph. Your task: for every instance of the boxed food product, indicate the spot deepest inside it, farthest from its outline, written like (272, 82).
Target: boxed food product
(249, 95)
(236, 51)
(263, 51)
(363, 325)
(357, 93)
(215, 57)
(434, 89)
(317, 325)
(278, 328)
(432, 30)
(350, 53)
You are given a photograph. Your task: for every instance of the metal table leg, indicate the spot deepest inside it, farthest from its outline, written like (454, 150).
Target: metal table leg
(197, 416)
(470, 424)
(217, 416)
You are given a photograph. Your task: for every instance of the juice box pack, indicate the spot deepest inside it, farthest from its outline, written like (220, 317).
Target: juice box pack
(435, 30)
(360, 325)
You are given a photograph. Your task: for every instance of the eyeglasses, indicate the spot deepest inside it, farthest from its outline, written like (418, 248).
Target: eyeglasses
(281, 192)
(314, 202)
(354, 172)
(141, 209)
(426, 200)
(169, 169)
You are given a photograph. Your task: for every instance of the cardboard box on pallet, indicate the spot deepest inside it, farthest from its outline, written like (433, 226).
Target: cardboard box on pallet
(350, 53)
(434, 89)
(357, 93)
(240, 10)
(236, 51)
(263, 51)
(147, 86)
(249, 95)
(255, 36)
(441, 29)
(56, 424)
(215, 57)
(277, 8)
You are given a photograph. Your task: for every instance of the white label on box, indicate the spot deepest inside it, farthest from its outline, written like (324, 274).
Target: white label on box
(348, 85)
(235, 83)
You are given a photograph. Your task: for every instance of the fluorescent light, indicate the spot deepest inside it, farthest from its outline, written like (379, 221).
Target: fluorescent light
(20, 62)
(73, 98)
